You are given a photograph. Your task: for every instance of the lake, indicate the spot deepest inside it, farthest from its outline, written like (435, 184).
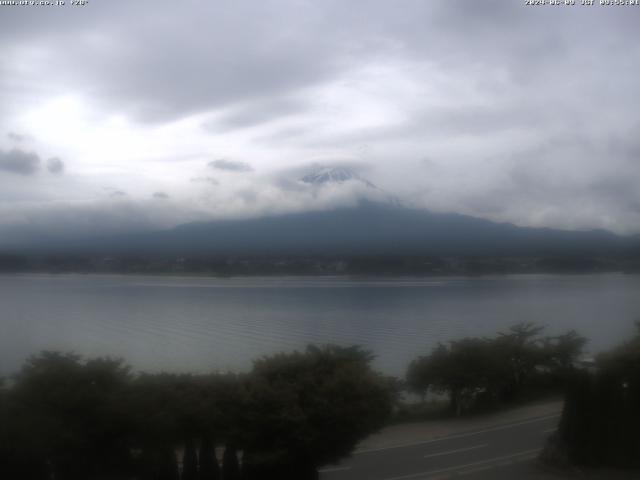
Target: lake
(200, 324)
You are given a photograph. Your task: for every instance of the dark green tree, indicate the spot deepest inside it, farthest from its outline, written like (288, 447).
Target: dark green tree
(307, 409)
(464, 369)
(156, 404)
(189, 461)
(230, 465)
(561, 353)
(601, 416)
(477, 372)
(520, 352)
(71, 415)
(209, 468)
(168, 466)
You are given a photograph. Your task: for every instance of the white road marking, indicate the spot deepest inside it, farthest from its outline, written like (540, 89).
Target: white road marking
(457, 450)
(333, 469)
(460, 435)
(424, 475)
(549, 430)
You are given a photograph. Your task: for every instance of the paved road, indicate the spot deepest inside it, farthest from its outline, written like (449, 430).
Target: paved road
(500, 452)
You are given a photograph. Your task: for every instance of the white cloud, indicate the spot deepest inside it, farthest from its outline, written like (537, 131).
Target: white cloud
(521, 121)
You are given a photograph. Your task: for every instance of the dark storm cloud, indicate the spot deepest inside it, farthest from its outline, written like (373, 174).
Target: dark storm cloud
(161, 196)
(19, 162)
(55, 166)
(230, 165)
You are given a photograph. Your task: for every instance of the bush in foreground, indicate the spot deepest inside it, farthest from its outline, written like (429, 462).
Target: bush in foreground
(70, 419)
(601, 417)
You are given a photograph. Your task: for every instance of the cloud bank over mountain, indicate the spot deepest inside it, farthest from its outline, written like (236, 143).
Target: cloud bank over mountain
(493, 109)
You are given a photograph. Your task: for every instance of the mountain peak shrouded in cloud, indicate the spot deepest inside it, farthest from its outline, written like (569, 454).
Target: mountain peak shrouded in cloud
(325, 175)
(341, 176)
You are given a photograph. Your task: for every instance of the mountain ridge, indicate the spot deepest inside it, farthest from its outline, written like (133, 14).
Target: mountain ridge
(378, 224)
(366, 228)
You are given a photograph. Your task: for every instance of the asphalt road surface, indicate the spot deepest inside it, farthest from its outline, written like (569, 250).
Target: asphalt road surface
(500, 452)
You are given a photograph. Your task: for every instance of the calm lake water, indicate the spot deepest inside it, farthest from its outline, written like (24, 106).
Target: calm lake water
(201, 324)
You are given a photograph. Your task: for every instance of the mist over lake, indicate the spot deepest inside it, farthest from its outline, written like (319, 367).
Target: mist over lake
(201, 324)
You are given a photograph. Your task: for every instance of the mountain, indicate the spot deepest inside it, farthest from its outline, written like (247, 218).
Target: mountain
(368, 228)
(334, 175)
(344, 177)
(378, 225)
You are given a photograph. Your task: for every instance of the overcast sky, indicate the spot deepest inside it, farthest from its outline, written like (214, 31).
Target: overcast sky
(132, 114)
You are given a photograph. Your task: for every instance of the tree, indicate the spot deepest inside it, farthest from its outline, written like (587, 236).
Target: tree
(601, 417)
(167, 466)
(156, 403)
(487, 371)
(420, 376)
(70, 415)
(189, 461)
(209, 468)
(564, 350)
(464, 369)
(230, 465)
(520, 351)
(306, 409)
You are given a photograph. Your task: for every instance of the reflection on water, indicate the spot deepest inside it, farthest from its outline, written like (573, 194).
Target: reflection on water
(200, 324)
